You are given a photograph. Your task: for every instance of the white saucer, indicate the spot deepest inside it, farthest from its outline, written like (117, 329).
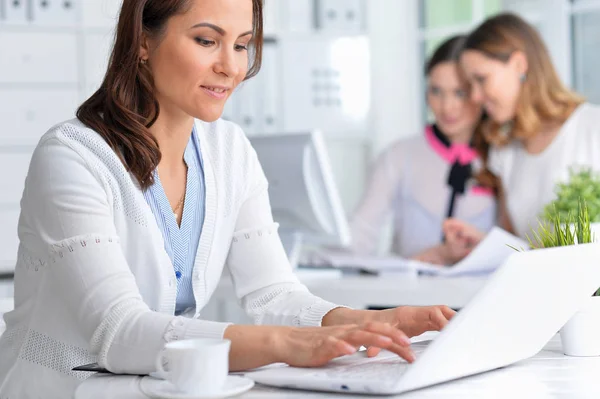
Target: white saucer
(161, 389)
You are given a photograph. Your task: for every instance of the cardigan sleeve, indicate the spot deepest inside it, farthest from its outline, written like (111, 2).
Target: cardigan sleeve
(67, 209)
(264, 281)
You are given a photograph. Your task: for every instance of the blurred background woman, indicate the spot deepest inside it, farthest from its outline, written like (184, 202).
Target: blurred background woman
(427, 178)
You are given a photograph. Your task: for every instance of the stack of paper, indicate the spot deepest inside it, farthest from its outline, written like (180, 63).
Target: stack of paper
(491, 252)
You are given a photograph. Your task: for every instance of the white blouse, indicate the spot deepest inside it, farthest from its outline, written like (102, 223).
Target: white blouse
(529, 180)
(93, 281)
(409, 183)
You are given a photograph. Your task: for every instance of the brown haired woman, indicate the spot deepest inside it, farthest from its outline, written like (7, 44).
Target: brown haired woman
(131, 211)
(537, 127)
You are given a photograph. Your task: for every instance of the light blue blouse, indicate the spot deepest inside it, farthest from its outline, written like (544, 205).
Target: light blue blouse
(181, 242)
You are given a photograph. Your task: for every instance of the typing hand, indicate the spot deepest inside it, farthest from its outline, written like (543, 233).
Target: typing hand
(413, 320)
(316, 346)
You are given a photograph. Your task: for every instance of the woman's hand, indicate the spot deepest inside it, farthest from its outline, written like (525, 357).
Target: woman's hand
(434, 255)
(345, 330)
(461, 238)
(415, 320)
(316, 346)
(411, 320)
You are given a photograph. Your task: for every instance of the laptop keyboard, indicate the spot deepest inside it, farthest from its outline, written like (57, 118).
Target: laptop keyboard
(391, 366)
(373, 370)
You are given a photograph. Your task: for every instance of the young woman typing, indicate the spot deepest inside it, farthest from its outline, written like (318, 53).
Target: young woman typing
(131, 211)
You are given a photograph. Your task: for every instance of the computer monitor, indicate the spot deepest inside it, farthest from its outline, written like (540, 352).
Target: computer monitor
(304, 197)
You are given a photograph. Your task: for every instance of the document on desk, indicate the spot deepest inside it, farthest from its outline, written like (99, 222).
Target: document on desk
(486, 257)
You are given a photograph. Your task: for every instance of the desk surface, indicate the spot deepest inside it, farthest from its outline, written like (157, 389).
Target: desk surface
(549, 374)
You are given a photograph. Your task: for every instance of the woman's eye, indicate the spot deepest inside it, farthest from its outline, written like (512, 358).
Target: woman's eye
(204, 42)
(241, 47)
(435, 91)
(460, 93)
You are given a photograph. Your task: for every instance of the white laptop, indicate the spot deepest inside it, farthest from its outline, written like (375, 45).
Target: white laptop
(522, 306)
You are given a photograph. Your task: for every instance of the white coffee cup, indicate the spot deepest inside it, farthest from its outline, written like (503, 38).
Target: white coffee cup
(195, 365)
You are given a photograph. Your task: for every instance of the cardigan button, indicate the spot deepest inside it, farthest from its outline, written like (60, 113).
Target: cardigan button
(178, 274)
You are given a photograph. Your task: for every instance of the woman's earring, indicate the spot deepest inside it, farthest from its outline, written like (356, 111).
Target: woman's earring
(143, 61)
(523, 78)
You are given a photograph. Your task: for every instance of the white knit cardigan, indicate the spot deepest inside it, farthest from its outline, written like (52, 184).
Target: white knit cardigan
(93, 281)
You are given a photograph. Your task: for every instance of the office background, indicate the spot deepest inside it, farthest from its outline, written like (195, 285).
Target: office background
(351, 68)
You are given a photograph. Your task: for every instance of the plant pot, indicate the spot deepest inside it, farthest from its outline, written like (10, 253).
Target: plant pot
(580, 336)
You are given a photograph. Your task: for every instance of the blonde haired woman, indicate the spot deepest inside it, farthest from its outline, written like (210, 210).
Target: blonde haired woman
(537, 127)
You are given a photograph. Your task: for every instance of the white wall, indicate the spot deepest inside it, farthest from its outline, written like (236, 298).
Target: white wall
(396, 71)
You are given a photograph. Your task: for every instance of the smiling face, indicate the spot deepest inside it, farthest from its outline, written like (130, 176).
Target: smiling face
(495, 84)
(201, 57)
(448, 97)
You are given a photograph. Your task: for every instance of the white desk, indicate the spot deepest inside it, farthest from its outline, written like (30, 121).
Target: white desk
(549, 374)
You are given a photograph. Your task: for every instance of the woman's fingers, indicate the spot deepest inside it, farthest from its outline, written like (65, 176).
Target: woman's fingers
(404, 352)
(397, 336)
(343, 348)
(447, 312)
(377, 336)
(440, 316)
(331, 348)
(401, 342)
(451, 227)
(366, 338)
(459, 234)
(373, 351)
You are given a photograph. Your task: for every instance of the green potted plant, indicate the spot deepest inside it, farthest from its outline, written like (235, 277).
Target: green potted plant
(579, 336)
(583, 185)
